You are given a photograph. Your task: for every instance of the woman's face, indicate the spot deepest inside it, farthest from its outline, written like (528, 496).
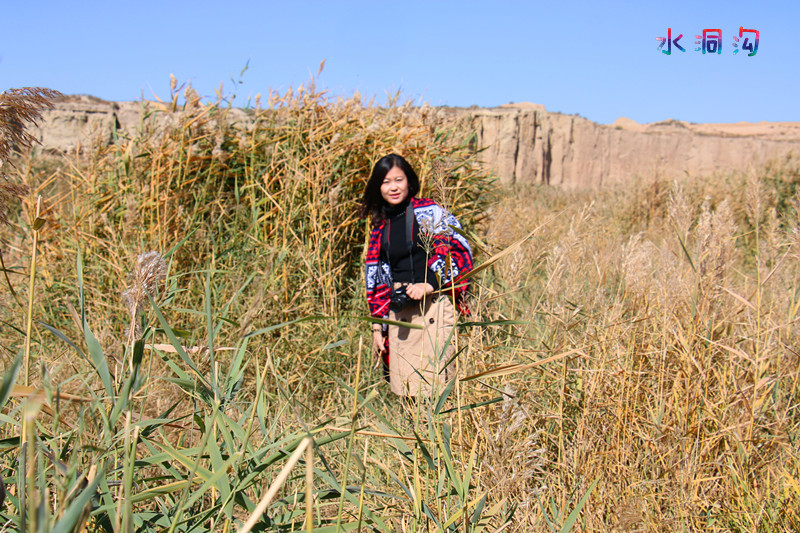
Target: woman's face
(394, 188)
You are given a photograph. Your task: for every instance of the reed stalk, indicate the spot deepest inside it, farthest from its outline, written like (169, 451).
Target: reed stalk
(31, 286)
(273, 489)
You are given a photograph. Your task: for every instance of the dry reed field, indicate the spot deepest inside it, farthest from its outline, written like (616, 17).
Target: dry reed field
(186, 348)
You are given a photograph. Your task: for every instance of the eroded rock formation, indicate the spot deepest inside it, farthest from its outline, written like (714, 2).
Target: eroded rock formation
(525, 145)
(522, 143)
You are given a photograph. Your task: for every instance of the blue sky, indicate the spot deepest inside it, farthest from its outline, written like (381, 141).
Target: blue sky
(595, 59)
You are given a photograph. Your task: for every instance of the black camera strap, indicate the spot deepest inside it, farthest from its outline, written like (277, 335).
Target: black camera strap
(410, 236)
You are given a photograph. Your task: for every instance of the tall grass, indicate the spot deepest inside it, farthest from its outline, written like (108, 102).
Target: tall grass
(631, 360)
(681, 391)
(257, 222)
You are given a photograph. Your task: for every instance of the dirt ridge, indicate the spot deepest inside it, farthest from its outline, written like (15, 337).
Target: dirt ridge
(522, 143)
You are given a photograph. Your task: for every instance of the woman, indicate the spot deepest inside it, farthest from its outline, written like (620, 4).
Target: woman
(413, 257)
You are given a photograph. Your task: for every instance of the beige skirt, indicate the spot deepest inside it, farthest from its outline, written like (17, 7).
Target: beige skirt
(418, 357)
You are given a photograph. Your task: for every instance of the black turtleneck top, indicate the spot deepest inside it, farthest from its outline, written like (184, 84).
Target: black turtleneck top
(406, 268)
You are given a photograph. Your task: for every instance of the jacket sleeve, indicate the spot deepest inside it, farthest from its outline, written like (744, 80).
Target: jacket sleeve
(377, 277)
(451, 257)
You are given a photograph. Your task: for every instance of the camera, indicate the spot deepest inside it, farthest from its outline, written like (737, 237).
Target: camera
(399, 299)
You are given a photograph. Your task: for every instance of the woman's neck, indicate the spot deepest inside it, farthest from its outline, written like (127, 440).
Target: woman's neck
(394, 210)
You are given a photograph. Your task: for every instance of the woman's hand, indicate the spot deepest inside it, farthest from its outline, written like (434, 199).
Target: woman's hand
(378, 348)
(417, 291)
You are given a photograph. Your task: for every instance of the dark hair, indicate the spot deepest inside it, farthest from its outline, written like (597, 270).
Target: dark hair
(373, 204)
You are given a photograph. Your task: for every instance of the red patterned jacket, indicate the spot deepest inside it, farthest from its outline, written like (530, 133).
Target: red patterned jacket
(432, 218)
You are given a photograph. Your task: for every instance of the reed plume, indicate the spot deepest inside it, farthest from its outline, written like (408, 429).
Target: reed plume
(18, 108)
(715, 238)
(680, 211)
(9, 191)
(148, 273)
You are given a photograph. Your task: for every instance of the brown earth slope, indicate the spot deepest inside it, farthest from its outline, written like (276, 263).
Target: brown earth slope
(523, 143)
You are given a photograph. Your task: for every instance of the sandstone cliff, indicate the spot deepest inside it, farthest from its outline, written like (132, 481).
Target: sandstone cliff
(525, 143)
(522, 143)
(82, 120)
